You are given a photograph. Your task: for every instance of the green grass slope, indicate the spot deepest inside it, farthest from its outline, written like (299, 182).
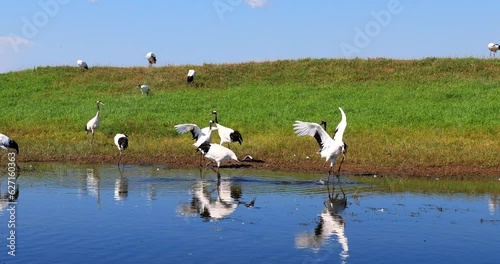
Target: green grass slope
(400, 113)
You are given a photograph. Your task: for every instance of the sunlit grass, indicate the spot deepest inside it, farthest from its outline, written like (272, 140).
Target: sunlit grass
(430, 112)
(432, 185)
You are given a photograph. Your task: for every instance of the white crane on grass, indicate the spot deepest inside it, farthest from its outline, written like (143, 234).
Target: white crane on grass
(8, 143)
(121, 142)
(226, 134)
(144, 89)
(93, 123)
(330, 148)
(83, 65)
(191, 75)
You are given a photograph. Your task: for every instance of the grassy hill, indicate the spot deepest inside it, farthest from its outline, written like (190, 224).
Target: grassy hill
(400, 113)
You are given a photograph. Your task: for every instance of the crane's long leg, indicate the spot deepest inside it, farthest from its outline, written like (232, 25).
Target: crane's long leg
(201, 160)
(119, 158)
(329, 173)
(340, 166)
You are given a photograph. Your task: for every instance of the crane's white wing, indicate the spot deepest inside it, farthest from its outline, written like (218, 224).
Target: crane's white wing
(339, 131)
(193, 128)
(312, 129)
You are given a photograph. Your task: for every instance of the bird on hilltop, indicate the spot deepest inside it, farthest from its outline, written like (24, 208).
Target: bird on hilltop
(216, 153)
(330, 148)
(83, 65)
(226, 134)
(121, 142)
(190, 76)
(93, 123)
(493, 47)
(151, 58)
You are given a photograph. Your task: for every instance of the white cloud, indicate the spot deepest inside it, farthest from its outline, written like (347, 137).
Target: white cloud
(14, 43)
(256, 3)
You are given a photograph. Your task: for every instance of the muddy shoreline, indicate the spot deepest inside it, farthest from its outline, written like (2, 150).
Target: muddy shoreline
(306, 166)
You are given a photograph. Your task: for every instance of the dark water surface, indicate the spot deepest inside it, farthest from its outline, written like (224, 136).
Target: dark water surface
(151, 214)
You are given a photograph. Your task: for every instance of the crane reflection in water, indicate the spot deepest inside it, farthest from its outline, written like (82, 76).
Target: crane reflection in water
(204, 203)
(121, 186)
(330, 223)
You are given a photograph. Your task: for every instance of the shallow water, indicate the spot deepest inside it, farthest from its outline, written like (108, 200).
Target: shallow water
(151, 214)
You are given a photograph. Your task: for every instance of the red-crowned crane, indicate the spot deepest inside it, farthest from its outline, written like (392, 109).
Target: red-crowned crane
(83, 65)
(330, 148)
(216, 153)
(200, 135)
(151, 58)
(226, 134)
(144, 89)
(493, 47)
(7, 143)
(191, 75)
(121, 142)
(93, 123)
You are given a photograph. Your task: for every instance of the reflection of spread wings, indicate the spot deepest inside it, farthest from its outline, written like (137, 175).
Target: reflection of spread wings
(207, 206)
(215, 208)
(331, 223)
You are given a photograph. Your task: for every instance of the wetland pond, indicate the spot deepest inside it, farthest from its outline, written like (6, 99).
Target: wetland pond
(152, 214)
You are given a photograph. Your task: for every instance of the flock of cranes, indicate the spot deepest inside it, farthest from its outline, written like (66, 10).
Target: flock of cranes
(214, 152)
(151, 57)
(330, 148)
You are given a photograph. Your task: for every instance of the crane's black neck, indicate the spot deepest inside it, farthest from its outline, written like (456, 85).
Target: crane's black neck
(323, 122)
(216, 119)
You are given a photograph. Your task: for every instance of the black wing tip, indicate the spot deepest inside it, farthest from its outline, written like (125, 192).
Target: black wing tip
(204, 147)
(236, 137)
(123, 142)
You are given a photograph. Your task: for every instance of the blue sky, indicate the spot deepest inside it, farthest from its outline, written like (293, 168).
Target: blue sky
(120, 33)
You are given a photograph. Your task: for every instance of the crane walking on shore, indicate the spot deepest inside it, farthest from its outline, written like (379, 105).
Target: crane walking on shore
(216, 153)
(121, 142)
